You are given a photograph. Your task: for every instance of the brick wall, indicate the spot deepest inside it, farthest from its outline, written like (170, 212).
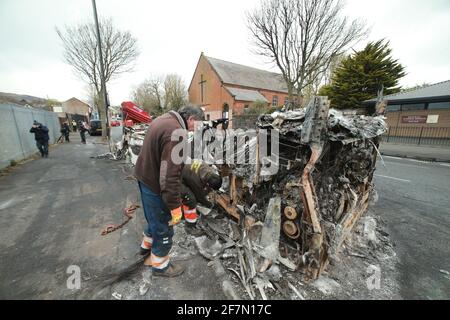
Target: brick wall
(214, 95)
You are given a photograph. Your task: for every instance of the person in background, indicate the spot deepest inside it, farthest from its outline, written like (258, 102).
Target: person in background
(74, 125)
(65, 131)
(41, 136)
(82, 130)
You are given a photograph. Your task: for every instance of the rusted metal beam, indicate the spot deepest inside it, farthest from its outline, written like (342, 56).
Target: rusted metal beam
(225, 202)
(310, 202)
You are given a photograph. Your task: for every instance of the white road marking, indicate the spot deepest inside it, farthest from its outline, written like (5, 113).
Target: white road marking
(420, 161)
(398, 179)
(445, 164)
(391, 157)
(6, 204)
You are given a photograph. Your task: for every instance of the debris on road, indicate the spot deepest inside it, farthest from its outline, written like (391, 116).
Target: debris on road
(286, 228)
(128, 213)
(326, 285)
(296, 291)
(117, 296)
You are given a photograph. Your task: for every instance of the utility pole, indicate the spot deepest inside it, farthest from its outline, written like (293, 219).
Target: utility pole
(102, 69)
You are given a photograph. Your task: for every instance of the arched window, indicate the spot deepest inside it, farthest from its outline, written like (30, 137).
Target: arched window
(275, 101)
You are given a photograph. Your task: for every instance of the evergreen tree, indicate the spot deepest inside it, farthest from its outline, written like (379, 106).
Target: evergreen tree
(362, 74)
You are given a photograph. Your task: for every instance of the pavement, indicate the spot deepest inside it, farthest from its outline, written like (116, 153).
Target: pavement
(427, 153)
(51, 214)
(415, 204)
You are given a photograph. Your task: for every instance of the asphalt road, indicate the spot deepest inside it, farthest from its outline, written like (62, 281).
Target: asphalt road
(51, 214)
(414, 200)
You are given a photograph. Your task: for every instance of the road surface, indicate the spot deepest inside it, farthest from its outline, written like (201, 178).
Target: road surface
(51, 214)
(414, 200)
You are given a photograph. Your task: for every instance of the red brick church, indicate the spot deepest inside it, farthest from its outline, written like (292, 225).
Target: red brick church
(225, 89)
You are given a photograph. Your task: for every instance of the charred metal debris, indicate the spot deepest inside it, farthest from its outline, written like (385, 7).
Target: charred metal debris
(129, 146)
(299, 217)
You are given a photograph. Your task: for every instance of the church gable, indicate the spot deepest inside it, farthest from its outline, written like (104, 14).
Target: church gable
(206, 88)
(224, 88)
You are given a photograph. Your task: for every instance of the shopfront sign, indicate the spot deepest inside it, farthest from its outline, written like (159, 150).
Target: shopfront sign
(414, 119)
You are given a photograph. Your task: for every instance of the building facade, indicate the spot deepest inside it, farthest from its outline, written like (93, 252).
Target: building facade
(224, 89)
(419, 115)
(428, 106)
(76, 109)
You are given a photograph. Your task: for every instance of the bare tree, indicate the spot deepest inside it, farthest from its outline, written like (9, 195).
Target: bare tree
(318, 78)
(119, 51)
(150, 95)
(175, 92)
(93, 98)
(301, 37)
(158, 94)
(332, 67)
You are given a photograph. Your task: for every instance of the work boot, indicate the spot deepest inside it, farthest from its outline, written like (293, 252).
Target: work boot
(148, 260)
(144, 251)
(146, 245)
(193, 230)
(173, 270)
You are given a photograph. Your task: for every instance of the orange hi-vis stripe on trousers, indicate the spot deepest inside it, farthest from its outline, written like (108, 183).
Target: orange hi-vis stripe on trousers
(159, 262)
(146, 242)
(190, 215)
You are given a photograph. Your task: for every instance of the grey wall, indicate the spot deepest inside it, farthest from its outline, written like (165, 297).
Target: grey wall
(16, 141)
(247, 121)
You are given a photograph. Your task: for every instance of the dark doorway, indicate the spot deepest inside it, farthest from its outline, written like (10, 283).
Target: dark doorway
(225, 115)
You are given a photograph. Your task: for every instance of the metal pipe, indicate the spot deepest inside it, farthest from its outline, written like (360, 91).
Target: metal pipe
(420, 136)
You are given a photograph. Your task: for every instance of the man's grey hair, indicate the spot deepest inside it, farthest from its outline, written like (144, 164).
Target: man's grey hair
(191, 111)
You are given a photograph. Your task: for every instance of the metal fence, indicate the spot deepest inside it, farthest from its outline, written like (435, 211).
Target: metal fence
(433, 136)
(16, 141)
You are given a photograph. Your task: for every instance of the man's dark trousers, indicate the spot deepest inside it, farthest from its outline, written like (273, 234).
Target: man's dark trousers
(158, 217)
(83, 136)
(43, 147)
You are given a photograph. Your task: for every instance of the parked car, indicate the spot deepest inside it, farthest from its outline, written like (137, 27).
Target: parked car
(95, 127)
(115, 122)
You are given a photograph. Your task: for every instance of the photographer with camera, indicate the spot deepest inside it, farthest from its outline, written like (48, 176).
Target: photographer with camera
(41, 136)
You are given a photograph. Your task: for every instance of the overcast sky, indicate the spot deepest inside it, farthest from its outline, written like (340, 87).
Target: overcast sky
(172, 33)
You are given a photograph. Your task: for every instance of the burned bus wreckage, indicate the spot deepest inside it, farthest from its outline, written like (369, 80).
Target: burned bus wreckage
(320, 190)
(300, 214)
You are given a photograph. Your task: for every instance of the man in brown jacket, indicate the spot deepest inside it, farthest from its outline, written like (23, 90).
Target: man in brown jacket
(158, 171)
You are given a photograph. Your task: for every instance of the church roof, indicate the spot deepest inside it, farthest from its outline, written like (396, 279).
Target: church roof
(246, 95)
(237, 74)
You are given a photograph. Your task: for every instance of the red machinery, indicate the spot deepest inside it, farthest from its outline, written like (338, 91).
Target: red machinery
(133, 114)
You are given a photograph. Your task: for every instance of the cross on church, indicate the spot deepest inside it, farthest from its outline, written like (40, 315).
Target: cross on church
(201, 83)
